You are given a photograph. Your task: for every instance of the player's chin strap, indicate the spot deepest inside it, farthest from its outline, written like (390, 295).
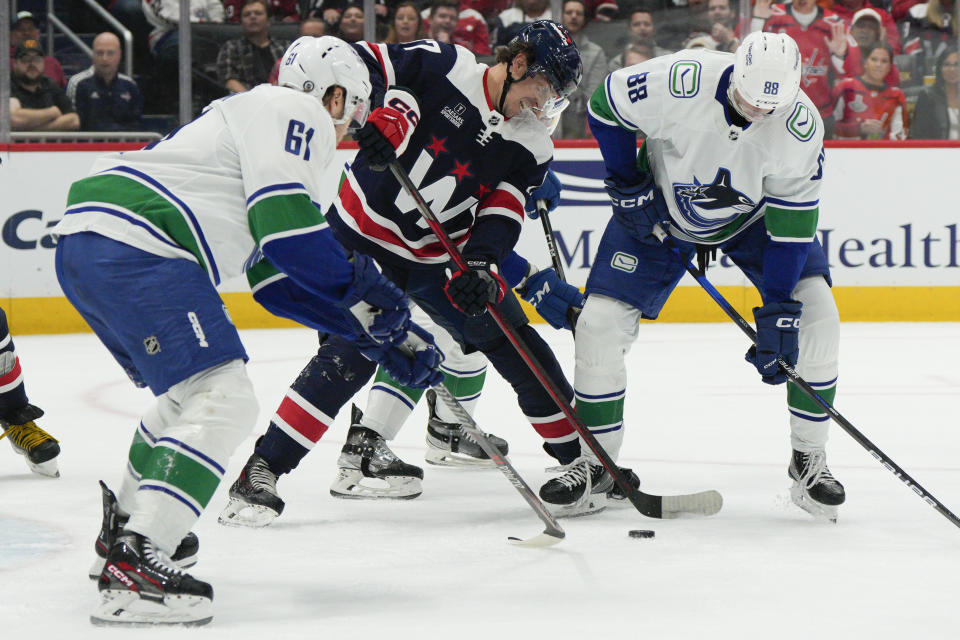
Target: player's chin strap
(506, 87)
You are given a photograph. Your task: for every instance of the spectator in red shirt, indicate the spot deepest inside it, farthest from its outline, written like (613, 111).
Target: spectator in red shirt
(867, 29)
(25, 28)
(866, 107)
(828, 52)
(406, 24)
(466, 28)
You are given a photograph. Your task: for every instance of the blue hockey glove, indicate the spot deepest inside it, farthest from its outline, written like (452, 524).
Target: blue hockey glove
(638, 206)
(472, 288)
(412, 362)
(778, 336)
(552, 297)
(379, 307)
(549, 191)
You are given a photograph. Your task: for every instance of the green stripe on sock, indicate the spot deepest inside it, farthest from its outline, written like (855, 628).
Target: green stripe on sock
(797, 399)
(383, 377)
(188, 475)
(140, 451)
(464, 386)
(595, 414)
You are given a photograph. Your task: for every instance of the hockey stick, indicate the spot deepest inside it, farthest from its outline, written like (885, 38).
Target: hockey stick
(572, 313)
(707, 503)
(809, 391)
(553, 533)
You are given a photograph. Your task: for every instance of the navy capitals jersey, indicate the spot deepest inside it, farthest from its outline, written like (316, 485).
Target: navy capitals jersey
(472, 166)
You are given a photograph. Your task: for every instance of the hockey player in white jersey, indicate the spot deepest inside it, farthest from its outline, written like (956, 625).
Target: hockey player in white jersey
(732, 159)
(145, 240)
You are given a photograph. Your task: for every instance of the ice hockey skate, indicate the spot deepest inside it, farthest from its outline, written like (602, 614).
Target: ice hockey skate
(814, 489)
(140, 586)
(450, 446)
(254, 501)
(184, 557)
(368, 469)
(581, 489)
(38, 447)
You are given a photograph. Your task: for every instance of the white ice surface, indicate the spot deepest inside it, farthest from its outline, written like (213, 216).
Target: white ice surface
(440, 567)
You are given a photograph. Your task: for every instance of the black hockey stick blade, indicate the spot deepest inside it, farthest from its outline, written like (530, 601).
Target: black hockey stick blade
(553, 533)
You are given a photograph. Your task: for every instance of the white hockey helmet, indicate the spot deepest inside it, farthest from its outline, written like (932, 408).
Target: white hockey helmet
(766, 75)
(313, 65)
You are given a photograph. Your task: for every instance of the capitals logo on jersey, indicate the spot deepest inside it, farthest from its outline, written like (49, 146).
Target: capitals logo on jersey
(712, 205)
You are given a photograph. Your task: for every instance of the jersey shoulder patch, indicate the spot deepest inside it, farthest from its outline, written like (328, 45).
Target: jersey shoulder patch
(684, 78)
(802, 122)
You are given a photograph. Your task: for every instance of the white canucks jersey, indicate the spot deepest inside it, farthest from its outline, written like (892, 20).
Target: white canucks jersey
(713, 189)
(239, 180)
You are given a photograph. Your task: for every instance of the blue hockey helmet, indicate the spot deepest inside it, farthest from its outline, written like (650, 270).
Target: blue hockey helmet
(555, 55)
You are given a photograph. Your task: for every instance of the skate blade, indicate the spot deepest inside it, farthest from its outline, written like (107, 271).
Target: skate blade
(596, 503)
(442, 458)
(238, 513)
(48, 469)
(120, 607)
(353, 485)
(824, 512)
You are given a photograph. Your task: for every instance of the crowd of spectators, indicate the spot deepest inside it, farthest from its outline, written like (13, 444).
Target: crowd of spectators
(876, 69)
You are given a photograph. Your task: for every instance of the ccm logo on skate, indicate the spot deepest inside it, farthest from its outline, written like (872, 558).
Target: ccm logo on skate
(786, 323)
(121, 576)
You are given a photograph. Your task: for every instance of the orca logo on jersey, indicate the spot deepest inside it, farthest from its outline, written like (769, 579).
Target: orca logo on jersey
(713, 205)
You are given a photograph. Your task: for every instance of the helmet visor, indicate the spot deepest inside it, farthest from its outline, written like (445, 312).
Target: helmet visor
(748, 111)
(550, 103)
(355, 113)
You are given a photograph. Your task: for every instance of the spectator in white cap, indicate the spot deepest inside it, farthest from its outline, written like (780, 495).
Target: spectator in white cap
(25, 26)
(850, 11)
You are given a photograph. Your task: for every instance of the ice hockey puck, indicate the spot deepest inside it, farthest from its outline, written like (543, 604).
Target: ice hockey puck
(642, 533)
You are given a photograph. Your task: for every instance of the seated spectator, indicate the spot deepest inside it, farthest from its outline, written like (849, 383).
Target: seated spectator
(826, 50)
(280, 10)
(164, 44)
(313, 27)
(642, 31)
(25, 27)
(634, 53)
(929, 29)
(867, 29)
(511, 21)
(573, 121)
(406, 24)
(245, 62)
(350, 27)
(866, 107)
(848, 11)
(105, 99)
(36, 102)
(446, 23)
(722, 25)
(937, 114)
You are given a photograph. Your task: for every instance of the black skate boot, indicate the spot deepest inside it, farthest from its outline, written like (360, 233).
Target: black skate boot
(814, 489)
(369, 469)
(616, 493)
(254, 501)
(38, 447)
(139, 586)
(582, 489)
(450, 446)
(184, 557)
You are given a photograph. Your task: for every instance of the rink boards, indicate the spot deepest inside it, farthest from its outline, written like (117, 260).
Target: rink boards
(888, 221)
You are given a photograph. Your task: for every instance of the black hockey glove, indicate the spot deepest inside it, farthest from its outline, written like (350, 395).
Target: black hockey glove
(638, 206)
(778, 336)
(471, 289)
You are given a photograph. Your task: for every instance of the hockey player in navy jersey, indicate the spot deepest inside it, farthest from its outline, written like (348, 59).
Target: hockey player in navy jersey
(732, 159)
(143, 243)
(473, 139)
